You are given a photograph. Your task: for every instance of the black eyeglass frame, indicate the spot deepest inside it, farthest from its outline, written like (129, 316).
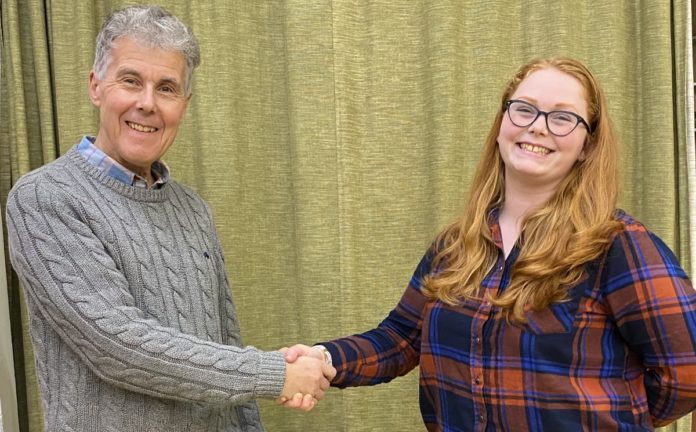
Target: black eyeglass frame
(546, 117)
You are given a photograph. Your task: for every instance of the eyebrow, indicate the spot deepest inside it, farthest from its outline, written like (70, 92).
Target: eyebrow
(557, 107)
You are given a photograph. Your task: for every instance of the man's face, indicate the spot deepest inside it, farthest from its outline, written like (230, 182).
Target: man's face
(141, 102)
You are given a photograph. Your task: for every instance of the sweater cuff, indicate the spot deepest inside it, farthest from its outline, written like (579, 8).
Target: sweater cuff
(271, 375)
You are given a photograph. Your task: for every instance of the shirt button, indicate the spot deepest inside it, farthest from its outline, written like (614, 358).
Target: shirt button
(477, 381)
(477, 339)
(480, 417)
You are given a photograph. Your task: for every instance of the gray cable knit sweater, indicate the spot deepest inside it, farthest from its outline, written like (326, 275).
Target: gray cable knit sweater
(133, 324)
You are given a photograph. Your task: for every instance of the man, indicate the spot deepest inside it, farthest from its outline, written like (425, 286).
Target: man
(133, 323)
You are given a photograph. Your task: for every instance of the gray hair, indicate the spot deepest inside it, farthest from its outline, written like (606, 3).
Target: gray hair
(151, 25)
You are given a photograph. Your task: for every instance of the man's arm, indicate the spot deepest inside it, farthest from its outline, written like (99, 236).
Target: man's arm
(83, 296)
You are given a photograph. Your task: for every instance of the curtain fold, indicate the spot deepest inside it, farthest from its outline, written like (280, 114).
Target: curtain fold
(684, 123)
(334, 138)
(28, 141)
(8, 395)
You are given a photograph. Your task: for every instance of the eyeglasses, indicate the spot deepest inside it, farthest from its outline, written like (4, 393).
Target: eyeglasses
(559, 123)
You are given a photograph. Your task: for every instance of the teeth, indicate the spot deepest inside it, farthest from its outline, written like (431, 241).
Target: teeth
(141, 128)
(535, 149)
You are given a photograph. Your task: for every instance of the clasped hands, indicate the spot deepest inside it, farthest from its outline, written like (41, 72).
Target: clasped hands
(307, 377)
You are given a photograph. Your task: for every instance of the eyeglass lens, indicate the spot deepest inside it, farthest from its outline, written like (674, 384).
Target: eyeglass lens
(559, 123)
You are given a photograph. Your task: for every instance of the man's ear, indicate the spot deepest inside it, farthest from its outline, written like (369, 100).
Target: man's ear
(188, 101)
(94, 84)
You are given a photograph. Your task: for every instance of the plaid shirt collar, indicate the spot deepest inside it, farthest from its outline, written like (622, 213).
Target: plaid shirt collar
(103, 162)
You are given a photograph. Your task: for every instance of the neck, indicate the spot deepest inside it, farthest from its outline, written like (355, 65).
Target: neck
(520, 200)
(522, 197)
(143, 171)
(149, 178)
(517, 205)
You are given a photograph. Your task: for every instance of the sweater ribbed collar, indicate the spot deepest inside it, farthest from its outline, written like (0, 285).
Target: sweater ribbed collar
(74, 157)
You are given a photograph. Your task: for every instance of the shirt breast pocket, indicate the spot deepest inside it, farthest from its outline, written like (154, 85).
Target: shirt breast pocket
(560, 317)
(554, 319)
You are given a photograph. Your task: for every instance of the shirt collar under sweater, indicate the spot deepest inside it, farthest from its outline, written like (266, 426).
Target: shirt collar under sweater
(73, 157)
(96, 157)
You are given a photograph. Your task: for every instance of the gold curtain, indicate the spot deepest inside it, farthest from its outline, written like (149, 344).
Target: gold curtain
(333, 139)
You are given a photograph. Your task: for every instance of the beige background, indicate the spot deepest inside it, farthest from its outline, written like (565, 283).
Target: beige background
(333, 139)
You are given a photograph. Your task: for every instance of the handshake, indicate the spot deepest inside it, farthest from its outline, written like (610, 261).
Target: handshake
(308, 375)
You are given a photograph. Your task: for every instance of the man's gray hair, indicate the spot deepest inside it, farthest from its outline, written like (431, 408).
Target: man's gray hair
(152, 26)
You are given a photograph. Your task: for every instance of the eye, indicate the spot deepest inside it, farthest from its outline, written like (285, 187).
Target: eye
(562, 117)
(130, 81)
(523, 109)
(169, 89)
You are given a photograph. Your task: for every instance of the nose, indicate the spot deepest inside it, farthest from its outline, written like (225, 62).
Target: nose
(146, 100)
(539, 125)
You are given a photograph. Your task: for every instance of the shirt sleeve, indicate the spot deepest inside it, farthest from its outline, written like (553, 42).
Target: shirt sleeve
(390, 350)
(80, 292)
(654, 307)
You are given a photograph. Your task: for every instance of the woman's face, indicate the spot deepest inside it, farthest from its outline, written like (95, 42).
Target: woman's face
(533, 156)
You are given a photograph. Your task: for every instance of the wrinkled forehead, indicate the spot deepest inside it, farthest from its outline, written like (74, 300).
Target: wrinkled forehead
(132, 51)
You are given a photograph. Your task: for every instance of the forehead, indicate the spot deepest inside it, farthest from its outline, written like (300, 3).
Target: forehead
(129, 54)
(551, 88)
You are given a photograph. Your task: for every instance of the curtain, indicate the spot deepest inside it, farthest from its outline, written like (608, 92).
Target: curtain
(334, 138)
(8, 397)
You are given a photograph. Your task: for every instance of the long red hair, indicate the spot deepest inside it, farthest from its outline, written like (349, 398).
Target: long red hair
(574, 227)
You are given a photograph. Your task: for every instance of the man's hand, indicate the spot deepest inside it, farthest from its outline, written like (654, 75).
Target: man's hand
(303, 400)
(307, 379)
(295, 351)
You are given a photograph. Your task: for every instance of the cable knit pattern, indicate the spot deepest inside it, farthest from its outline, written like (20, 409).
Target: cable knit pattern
(132, 318)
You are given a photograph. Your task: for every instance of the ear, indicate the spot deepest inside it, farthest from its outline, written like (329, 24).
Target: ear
(94, 88)
(582, 156)
(188, 101)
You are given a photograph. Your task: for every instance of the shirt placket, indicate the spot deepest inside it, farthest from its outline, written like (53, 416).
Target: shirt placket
(476, 364)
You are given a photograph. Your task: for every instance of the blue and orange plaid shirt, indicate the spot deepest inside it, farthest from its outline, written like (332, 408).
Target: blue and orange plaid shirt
(619, 355)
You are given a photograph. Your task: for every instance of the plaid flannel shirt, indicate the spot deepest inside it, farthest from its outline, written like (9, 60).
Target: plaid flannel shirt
(619, 355)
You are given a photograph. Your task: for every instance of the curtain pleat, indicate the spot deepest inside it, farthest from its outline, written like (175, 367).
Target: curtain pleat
(686, 145)
(333, 139)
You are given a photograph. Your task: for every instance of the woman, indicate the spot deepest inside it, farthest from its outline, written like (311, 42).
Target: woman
(543, 308)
